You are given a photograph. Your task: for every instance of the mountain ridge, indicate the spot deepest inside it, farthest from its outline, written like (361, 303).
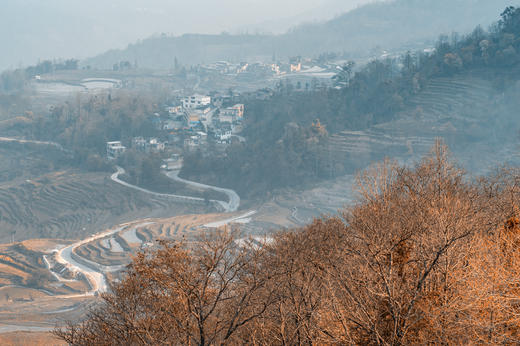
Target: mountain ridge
(383, 25)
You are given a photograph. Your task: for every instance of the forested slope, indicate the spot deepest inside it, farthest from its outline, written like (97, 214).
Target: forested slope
(465, 92)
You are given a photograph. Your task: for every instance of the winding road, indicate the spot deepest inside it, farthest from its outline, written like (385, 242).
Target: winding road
(229, 206)
(95, 276)
(95, 273)
(234, 200)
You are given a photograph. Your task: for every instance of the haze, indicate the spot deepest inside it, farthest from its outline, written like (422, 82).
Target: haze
(35, 29)
(218, 167)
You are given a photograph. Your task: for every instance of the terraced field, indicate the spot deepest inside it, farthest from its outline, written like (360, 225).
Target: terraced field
(298, 208)
(64, 294)
(37, 290)
(457, 109)
(24, 275)
(478, 123)
(71, 204)
(26, 161)
(115, 249)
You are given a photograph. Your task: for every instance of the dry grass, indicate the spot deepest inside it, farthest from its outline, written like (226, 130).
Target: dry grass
(8, 294)
(29, 339)
(44, 245)
(10, 270)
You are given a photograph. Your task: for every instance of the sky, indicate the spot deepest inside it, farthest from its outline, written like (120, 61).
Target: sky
(47, 29)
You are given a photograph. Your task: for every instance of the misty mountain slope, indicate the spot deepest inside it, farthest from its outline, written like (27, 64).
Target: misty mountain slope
(386, 25)
(475, 120)
(391, 24)
(72, 28)
(319, 13)
(160, 52)
(49, 29)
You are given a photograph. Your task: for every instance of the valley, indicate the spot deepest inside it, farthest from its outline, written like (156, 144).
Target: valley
(104, 159)
(49, 216)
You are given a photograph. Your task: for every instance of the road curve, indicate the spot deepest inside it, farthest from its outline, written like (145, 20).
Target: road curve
(94, 272)
(96, 278)
(234, 199)
(244, 218)
(120, 170)
(229, 206)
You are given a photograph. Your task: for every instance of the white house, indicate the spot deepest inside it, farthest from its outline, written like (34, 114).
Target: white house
(196, 101)
(155, 146)
(172, 110)
(203, 136)
(115, 149)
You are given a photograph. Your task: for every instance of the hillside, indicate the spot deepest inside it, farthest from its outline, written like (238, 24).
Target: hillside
(426, 255)
(465, 91)
(387, 25)
(464, 110)
(55, 29)
(69, 204)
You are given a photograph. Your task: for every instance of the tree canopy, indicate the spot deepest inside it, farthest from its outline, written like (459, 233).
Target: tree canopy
(424, 256)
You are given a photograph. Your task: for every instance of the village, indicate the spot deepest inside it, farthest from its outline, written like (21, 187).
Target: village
(306, 73)
(200, 118)
(190, 123)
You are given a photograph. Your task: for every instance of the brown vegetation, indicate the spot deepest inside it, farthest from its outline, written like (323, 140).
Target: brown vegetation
(425, 256)
(29, 339)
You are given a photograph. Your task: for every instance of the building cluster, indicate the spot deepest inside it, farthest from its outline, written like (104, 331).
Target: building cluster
(253, 69)
(190, 122)
(145, 145)
(322, 67)
(148, 145)
(194, 118)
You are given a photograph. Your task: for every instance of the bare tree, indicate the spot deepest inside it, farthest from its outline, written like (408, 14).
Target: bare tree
(201, 295)
(389, 280)
(426, 255)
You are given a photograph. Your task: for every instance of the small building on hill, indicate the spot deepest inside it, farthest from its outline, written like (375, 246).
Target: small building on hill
(115, 149)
